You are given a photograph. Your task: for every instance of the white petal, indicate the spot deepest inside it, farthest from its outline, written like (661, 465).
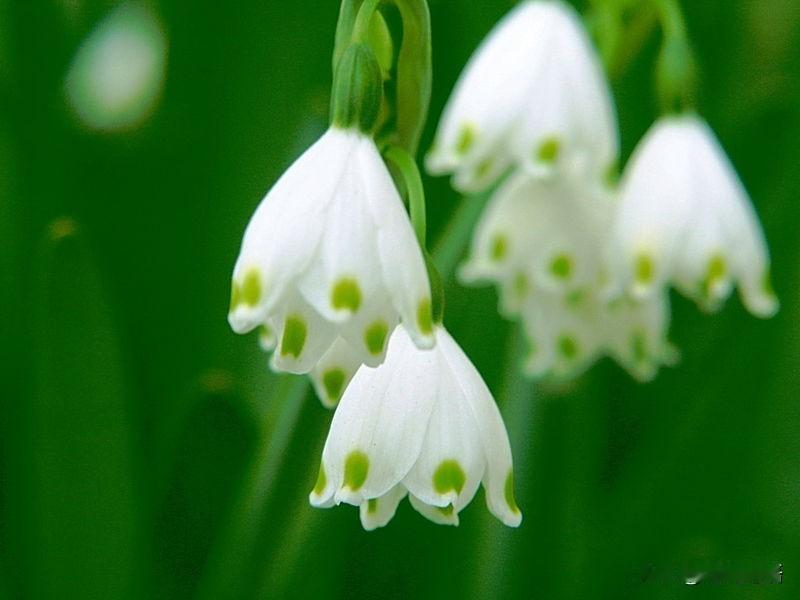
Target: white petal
(563, 333)
(498, 478)
(347, 271)
(368, 332)
(333, 372)
(304, 336)
(405, 276)
(441, 515)
(636, 335)
(451, 462)
(377, 512)
(284, 233)
(379, 426)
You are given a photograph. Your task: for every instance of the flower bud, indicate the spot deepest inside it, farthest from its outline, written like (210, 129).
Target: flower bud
(357, 90)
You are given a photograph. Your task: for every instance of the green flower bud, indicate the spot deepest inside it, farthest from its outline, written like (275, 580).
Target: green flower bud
(676, 75)
(357, 89)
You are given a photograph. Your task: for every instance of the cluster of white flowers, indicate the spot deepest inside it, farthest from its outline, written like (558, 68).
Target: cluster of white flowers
(585, 262)
(331, 273)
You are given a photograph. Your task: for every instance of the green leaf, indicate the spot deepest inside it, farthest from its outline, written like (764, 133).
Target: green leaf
(213, 450)
(83, 492)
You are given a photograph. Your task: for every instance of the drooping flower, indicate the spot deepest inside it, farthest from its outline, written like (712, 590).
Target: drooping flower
(686, 219)
(540, 234)
(424, 424)
(533, 94)
(330, 256)
(566, 335)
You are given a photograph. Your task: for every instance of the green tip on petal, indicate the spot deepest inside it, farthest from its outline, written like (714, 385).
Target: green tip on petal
(561, 266)
(333, 381)
(639, 347)
(294, 336)
(236, 296)
(372, 505)
(346, 295)
(446, 510)
(715, 272)
(250, 292)
(321, 481)
(356, 468)
(521, 284)
(484, 168)
(449, 476)
(425, 317)
(548, 150)
(375, 337)
(567, 346)
(509, 493)
(466, 139)
(644, 269)
(499, 248)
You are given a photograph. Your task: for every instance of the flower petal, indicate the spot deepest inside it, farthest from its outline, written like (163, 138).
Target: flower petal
(377, 512)
(441, 515)
(304, 337)
(333, 372)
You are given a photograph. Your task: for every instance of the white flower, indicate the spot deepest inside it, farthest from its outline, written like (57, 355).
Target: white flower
(544, 234)
(331, 255)
(534, 94)
(566, 335)
(422, 423)
(686, 218)
(116, 77)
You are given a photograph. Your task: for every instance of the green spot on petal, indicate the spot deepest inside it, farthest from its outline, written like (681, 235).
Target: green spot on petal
(644, 270)
(499, 248)
(575, 298)
(346, 295)
(484, 168)
(294, 336)
(639, 347)
(466, 139)
(356, 468)
(372, 505)
(766, 284)
(333, 381)
(375, 337)
(568, 346)
(521, 284)
(251, 287)
(449, 476)
(445, 510)
(561, 266)
(715, 273)
(509, 493)
(548, 150)
(425, 317)
(236, 296)
(321, 481)
(612, 174)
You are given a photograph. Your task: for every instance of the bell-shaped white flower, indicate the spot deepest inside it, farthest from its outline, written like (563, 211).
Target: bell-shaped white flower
(685, 218)
(423, 423)
(544, 234)
(566, 335)
(533, 94)
(330, 255)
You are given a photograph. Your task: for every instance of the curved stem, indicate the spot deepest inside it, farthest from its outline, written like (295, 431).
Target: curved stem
(363, 18)
(416, 193)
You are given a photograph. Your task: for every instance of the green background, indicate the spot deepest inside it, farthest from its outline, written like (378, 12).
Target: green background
(148, 452)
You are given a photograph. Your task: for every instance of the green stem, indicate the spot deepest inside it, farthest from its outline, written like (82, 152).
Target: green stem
(416, 193)
(363, 18)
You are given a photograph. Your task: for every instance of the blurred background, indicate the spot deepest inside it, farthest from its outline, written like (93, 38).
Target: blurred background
(148, 452)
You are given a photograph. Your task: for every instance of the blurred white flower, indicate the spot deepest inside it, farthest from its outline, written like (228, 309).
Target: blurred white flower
(566, 335)
(423, 423)
(116, 77)
(544, 234)
(685, 218)
(330, 256)
(533, 94)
